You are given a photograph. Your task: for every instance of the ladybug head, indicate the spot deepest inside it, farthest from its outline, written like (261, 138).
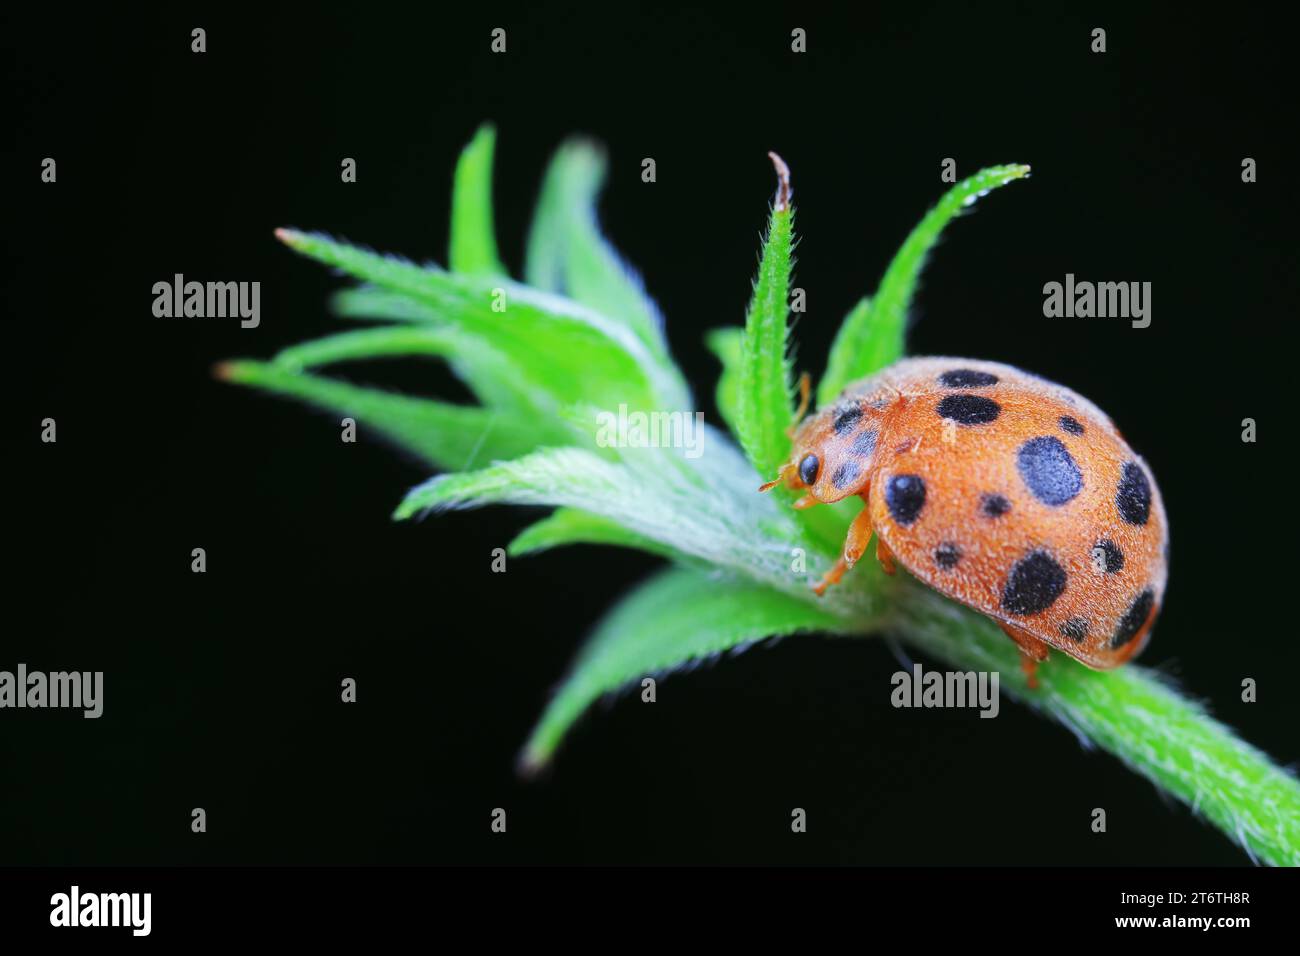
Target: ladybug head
(833, 452)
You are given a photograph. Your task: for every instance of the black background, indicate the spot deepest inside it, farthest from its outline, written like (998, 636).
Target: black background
(222, 689)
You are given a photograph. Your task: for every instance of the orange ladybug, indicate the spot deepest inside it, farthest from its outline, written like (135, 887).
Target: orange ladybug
(1004, 491)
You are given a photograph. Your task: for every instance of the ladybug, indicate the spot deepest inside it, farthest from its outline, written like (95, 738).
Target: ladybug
(1001, 490)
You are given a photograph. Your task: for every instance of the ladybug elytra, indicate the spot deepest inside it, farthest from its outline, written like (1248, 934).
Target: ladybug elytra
(1006, 492)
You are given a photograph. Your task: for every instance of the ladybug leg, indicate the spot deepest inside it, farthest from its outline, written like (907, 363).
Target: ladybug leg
(1032, 651)
(885, 556)
(854, 547)
(1030, 667)
(831, 577)
(859, 536)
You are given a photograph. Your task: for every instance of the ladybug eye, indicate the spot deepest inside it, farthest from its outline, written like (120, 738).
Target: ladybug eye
(808, 469)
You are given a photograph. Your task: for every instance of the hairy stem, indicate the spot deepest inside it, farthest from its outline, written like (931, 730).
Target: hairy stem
(1133, 713)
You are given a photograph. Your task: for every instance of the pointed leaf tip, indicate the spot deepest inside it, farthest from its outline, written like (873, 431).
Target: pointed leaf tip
(473, 247)
(784, 192)
(529, 764)
(568, 253)
(765, 409)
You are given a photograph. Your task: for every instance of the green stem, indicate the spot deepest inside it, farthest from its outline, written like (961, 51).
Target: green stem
(1133, 713)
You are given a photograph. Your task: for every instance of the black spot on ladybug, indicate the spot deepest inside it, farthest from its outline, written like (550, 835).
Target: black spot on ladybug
(1133, 496)
(808, 469)
(966, 378)
(1071, 425)
(905, 496)
(1134, 618)
(947, 555)
(1107, 557)
(1048, 470)
(845, 474)
(995, 506)
(1076, 629)
(969, 409)
(864, 446)
(1034, 584)
(847, 419)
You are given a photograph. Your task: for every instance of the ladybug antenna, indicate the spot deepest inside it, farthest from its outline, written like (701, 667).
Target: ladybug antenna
(780, 477)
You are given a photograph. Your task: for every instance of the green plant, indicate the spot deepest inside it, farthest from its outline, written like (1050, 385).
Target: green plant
(581, 336)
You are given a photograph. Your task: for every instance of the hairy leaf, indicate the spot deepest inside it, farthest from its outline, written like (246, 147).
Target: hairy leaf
(566, 526)
(575, 353)
(871, 337)
(727, 344)
(676, 619)
(665, 499)
(492, 377)
(567, 253)
(473, 246)
(765, 409)
(445, 436)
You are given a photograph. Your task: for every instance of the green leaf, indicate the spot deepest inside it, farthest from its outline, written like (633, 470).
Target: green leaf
(373, 302)
(574, 353)
(726, 344)
(473, 246)
(871, 336)
(676, 618)
(567, 253)
(388, 341)
(866, 340)
(693, 510)
(580, 479)
(766, 408)
(493, 378)
(567, 526)
(445, 436)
